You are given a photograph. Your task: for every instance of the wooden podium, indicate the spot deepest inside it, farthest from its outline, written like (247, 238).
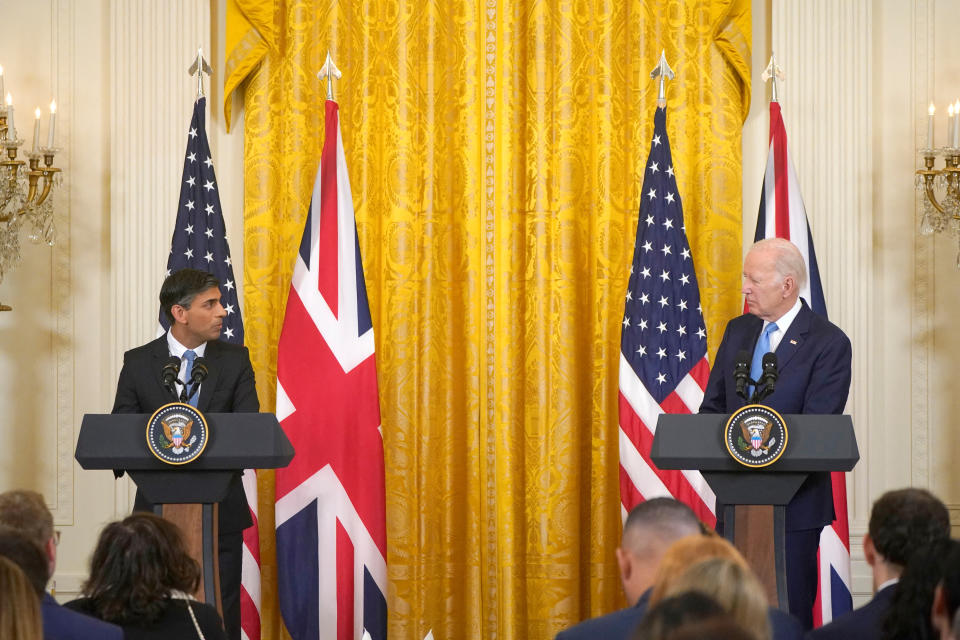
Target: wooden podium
(188, 493)
(754, 500)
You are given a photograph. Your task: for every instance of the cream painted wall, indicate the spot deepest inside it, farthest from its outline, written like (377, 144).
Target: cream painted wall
(859, 74)
(118, 71)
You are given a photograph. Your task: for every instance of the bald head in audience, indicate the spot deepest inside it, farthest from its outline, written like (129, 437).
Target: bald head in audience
(649, 531)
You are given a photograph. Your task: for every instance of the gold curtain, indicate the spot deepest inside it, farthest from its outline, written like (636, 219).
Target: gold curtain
(496, 152)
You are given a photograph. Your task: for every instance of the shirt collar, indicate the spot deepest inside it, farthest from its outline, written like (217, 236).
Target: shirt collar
(784, 321)
(888, 583)
(177, 349)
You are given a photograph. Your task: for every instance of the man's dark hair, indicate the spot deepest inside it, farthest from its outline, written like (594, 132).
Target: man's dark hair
(136, 564)
(675, 612)
(26, 554)
(673, 517)
(905, 520)
(182, 286)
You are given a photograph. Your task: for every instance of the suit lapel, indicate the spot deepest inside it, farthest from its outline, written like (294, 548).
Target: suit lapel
(794, 338)
(212, 355)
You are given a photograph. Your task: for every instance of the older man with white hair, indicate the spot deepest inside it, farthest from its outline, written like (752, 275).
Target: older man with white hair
(813, 363)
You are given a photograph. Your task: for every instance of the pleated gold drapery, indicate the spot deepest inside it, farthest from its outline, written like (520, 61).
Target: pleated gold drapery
(496, 152)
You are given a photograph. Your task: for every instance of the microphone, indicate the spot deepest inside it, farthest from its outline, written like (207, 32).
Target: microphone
(170, 371)
(741, 372)
(198, 374)
(768, 379)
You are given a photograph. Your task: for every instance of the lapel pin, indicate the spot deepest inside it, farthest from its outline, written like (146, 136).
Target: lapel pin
(793, 342)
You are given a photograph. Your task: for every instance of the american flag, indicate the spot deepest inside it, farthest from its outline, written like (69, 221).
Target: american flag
(330, 501)
(200, 242)
(782, 215)
(663, 345)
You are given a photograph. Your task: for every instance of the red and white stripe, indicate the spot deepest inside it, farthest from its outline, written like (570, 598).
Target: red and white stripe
(250, 565)
(640, 479)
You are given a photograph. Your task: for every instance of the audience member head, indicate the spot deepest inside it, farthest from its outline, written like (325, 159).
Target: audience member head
(946, 597)
(26, 512)
(137, 563)
(773, 275)
(901, 522)
(27, 555)
(909, 613)
(675, 612)
(685, 553)
(732, 585)
(714, 629)
(650, 529)
(19, 605)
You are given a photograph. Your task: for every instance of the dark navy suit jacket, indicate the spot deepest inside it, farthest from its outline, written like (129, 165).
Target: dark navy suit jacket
(620, 624)
(60, 623)
(865, 622)
(229, 388)
(813, 361)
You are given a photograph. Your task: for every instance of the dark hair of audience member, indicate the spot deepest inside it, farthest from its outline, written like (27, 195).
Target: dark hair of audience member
(950, 588)
(25, 553)
(908, 617)
(717, 629)
(137, 563)
(19, 605)
(675, 612)
(901, 521)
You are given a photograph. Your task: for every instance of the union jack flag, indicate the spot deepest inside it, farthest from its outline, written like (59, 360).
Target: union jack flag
(200, 242)
(330, 501)
(663, 346)
(782, 215)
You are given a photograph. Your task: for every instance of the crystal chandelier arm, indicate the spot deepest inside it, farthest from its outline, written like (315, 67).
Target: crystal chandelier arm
(928, 177)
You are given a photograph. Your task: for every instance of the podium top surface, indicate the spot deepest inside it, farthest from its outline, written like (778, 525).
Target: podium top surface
(237, 441)
(814, 443)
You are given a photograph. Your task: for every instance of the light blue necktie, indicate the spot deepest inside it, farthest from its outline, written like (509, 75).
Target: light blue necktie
(762, 348)
(190, 355)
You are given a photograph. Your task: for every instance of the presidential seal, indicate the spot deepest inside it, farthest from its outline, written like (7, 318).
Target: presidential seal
(177, 433)
(756, 436)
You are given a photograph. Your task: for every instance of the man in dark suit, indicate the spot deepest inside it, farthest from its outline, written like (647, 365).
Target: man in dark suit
(650, 529)
(900, 522)
(28, 539)
(190, 299)
(813, 361)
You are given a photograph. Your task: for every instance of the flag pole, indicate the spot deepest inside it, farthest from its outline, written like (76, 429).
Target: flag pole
(329, 71)
(198, 68)
(662, 71)
(773, 72)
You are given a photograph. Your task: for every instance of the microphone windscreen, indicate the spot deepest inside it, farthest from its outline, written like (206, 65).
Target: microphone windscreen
(200, 370)
(743, 357)
(770, 360)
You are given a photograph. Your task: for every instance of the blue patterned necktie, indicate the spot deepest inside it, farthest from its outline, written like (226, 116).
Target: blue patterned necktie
(190, 355)
(762, 348)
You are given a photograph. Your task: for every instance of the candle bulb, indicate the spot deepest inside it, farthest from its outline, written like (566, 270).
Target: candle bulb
(11, 132)
(36, 130)
(53, 122)
(930, 111)
(949, 125)
(955, 142)
(1, 79)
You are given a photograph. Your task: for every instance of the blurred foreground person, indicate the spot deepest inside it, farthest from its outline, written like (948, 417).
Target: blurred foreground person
(908, 617)
(19, 605)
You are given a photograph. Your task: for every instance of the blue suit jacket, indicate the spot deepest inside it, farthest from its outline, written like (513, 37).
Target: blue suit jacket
(620, 624)
(60, 623)
(865, 622)
(813, 360)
